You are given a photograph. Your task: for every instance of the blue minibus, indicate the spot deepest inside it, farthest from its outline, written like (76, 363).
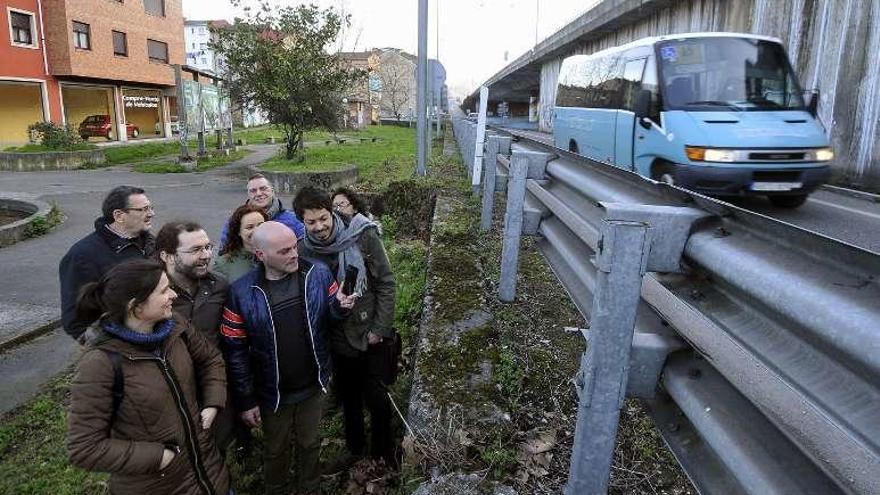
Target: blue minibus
(718, 113)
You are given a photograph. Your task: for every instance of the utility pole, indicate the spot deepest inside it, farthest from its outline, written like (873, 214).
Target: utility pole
(422, 94)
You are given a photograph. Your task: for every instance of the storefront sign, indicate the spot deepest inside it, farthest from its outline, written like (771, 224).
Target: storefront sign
(132, 101)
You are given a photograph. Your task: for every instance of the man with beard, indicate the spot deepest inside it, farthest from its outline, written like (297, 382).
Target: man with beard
(363, 346)
(261, 193)
(121, 233)
(186, 251)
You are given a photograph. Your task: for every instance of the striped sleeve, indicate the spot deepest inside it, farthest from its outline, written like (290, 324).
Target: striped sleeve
(232, 325)
(331, 290)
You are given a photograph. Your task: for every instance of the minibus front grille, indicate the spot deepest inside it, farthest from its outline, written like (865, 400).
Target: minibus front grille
(774, 156)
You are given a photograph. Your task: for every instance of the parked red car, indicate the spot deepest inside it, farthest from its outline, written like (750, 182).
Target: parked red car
(102, 126)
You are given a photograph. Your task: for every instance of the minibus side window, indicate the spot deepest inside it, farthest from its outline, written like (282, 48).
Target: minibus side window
(649, 82)
(632, 83)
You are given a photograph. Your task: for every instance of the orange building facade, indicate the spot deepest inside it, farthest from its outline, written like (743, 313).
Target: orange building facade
(106, 65)
(28, 92)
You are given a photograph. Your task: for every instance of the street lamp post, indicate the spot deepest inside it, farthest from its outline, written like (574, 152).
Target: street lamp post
(422, 95)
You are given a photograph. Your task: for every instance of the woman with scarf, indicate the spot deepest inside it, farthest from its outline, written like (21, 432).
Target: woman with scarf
(364, 345)
(146, 390)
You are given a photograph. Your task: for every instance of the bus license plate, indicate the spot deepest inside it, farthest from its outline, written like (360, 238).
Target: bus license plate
(776, 186)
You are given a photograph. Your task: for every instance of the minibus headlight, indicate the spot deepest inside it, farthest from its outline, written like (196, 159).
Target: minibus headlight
(824, 155)
(709, 154)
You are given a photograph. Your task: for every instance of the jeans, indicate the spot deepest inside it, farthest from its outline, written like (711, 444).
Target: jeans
(299, 424)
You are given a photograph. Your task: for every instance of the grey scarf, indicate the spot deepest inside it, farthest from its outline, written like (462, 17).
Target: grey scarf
(274, 208)
(343, 242)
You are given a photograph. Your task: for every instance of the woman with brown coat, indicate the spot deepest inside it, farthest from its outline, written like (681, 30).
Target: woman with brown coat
(146, 390)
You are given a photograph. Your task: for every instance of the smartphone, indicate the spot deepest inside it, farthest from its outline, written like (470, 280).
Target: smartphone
(351, 275)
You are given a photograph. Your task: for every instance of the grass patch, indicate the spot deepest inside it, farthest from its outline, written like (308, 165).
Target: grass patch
(175, 168)
(392, 158)
(33, 453)
(138, 152)
(257, 135)
(41, 148)
(42, 225)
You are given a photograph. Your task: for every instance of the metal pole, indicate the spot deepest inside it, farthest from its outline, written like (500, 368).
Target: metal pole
(421, 93)
(601, 382)
(513, 220)
(490, 165)
(477, 158)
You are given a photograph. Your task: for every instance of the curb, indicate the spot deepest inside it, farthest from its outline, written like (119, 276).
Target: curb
(29, 334)
(853, 193)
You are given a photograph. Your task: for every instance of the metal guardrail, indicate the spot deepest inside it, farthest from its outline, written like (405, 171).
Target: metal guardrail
(755, 343)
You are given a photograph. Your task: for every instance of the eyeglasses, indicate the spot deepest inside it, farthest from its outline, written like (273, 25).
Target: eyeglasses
(261, 189)
(142, 209)
(198, 249)
(341, 204)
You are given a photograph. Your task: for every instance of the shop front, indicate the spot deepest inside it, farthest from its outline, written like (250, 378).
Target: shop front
(90, 111)
(21, 104)
(143, 110)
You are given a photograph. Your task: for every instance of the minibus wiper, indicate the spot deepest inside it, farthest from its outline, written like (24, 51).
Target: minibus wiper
(715, 103)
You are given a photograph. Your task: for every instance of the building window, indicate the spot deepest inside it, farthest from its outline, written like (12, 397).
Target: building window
(81, 36)
(21, 28)
(157, 51)
(120, 44)
(155, 7)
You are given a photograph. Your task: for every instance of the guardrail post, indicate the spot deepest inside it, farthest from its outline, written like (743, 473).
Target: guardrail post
(622, 259)
(523, 164)
(490, 165)
(513, 217)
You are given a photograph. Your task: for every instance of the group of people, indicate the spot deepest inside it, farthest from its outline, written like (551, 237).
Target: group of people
(186, 351)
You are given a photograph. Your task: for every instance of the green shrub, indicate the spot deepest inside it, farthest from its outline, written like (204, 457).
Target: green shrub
(42, 225)
(55, 136)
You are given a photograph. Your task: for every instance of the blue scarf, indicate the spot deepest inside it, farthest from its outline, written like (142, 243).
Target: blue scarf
(160, 333)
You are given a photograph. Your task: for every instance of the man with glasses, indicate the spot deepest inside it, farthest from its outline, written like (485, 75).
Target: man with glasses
(261, 193)
(186, 251)
(121, 233)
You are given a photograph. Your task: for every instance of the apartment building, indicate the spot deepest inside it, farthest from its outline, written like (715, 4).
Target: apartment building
(113, 61)
(28, 92)
(105, 67)
(197, 38)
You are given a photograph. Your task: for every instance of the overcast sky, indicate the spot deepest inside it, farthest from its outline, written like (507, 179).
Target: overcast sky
(475, 36)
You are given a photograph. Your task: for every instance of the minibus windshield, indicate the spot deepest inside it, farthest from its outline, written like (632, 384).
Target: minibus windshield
(727, 74)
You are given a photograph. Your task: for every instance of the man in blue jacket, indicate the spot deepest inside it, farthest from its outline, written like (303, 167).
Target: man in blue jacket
(277, 357)
(261, 193)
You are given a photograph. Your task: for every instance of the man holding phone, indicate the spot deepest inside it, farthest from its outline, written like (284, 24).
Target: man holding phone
(364, 345)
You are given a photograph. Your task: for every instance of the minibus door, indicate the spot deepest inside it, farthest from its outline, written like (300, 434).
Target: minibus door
(632, 84)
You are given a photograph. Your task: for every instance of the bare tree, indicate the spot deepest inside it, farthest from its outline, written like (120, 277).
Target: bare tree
(396, 74)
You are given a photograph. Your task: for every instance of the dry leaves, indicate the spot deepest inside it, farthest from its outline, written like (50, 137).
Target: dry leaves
(535, 454)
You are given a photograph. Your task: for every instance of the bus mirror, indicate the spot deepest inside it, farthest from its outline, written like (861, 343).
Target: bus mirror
(813, 105)
(642, 107)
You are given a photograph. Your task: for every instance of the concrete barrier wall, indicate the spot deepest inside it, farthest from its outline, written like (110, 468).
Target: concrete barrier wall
(50, 160)
(832, 45)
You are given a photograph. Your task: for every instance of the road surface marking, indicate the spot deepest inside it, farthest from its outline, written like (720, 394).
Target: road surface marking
(845, 208)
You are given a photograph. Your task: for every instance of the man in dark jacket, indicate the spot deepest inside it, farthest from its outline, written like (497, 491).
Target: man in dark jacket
(121, 233)
(276, 354)
(261, 193)
(363, 345)
(186, 251)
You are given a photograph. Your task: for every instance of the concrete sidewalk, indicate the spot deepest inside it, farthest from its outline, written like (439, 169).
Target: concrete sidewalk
(29, 287)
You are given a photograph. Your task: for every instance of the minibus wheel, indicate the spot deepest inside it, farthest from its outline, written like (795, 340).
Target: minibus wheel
(790, 201)
(663, 172)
